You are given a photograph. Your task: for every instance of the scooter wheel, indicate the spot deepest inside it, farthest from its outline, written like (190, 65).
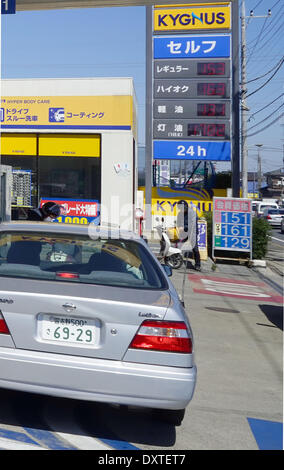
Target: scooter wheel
(174, 261)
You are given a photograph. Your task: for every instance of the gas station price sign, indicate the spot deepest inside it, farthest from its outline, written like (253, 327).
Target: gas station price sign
(232, 224)
(192, 95)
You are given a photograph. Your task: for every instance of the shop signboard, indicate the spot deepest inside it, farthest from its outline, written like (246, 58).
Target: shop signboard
(67, 112)
(192, 17)
(232, 225)
(76, 211)
(202, 239)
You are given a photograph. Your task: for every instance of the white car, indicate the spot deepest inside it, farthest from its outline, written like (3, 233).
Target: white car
(273, 216)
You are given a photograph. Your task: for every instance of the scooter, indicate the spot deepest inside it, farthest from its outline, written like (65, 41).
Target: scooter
(171, 256)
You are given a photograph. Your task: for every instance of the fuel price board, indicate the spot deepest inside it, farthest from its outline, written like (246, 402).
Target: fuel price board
(232, 225)
(191, 85)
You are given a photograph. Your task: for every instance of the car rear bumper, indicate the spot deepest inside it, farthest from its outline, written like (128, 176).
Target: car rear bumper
(275, 223)
(97, 380)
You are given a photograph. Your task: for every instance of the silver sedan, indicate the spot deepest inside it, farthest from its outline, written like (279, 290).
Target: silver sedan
(273, 216)
(90, 314)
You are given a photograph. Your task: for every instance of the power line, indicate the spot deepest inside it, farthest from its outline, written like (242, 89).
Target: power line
(262, 76)
(267, 81)
(267, 117)
(257, 40)
(266, 127)
(266, 106)
(274, 21)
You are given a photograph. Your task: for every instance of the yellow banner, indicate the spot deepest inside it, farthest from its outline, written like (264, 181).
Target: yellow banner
(69, 145)
(67, 112)
(18, 144)
(192, 18)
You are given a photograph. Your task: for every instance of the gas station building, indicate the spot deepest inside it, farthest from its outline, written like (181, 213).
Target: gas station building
(72, 141)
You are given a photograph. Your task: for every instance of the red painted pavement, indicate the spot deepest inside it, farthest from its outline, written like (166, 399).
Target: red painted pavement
(236, 288)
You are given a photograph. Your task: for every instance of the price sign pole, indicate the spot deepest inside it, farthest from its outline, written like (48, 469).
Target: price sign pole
(232, 228)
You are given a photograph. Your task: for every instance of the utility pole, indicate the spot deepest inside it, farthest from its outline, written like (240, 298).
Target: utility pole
(244, 107)
(259, 175)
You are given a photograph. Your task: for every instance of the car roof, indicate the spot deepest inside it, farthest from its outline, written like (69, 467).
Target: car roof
(91, 230)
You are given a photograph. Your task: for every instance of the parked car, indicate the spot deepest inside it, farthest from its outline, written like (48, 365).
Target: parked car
(273, 216)
(110, 328)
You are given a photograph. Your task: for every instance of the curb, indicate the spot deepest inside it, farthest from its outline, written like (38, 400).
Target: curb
(275, 269)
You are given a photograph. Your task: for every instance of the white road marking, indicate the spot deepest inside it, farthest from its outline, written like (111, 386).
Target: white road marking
(245, 290)
(278, 239)
(10, 444)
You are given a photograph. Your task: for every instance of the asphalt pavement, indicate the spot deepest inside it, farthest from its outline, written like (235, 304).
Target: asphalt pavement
(237, 319)
(236, 313)
(275, 254)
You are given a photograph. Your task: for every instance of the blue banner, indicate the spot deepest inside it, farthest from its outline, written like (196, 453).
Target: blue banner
(176, 47)
(8, 7)
(191, 150)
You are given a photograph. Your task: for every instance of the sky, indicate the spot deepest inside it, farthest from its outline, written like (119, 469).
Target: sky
(111, 42)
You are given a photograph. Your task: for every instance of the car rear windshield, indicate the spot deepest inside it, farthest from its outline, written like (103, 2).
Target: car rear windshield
(79, 259)
(273, 211)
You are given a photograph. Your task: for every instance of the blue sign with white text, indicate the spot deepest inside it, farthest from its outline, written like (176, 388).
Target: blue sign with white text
(8, 7)
(191, 150)
(177, 47)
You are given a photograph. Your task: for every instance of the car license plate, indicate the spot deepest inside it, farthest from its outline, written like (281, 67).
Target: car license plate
(63, 329)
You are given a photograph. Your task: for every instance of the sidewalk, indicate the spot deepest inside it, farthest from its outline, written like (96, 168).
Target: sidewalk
(272, 273)
(236, 314)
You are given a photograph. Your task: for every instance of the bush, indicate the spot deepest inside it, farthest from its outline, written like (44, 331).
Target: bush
(260, 236)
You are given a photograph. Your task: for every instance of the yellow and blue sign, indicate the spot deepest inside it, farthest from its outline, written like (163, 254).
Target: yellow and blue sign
(68, 112)
(192, 17)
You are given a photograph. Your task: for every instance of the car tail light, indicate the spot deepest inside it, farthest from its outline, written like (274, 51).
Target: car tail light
(167, 336)
(68, 275)
(268, 217)
(3, 327)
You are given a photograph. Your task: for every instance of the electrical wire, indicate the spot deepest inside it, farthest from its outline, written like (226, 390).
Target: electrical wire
(257, 40)
(262, 76)
(273, 23)
(266, 106)
(267, 81)
(267, 117)
(266, 127)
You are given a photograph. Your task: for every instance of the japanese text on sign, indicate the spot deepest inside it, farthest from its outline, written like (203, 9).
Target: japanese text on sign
(232, 224)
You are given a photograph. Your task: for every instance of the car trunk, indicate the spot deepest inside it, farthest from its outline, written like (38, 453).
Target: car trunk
(77, 319)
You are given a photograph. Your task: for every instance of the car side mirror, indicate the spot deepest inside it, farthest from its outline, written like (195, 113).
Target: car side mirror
(168, 270)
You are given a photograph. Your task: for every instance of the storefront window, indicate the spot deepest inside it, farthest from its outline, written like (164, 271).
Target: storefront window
(51, 167)
(69, 177)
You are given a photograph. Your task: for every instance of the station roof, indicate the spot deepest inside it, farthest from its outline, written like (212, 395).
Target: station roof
(22, 5)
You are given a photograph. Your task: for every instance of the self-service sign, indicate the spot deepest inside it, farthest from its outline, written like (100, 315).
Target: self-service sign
(232, 224)
(8, 7)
